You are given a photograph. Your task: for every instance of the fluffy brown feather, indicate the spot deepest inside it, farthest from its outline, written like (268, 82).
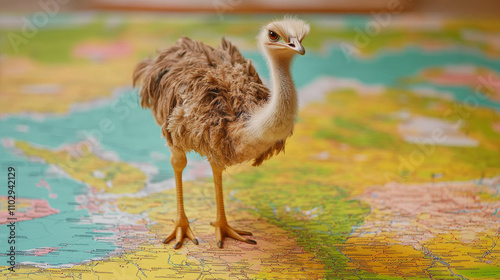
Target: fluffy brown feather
(202, 98)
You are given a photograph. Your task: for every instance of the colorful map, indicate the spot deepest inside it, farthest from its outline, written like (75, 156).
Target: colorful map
(393, 171)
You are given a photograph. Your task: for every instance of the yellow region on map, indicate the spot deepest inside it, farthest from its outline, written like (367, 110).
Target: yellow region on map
(81, 164)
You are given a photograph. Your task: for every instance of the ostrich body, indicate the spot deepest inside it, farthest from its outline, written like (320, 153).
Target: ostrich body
(212, 101)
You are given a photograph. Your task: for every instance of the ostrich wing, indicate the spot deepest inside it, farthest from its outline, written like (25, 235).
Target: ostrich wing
(201, 96)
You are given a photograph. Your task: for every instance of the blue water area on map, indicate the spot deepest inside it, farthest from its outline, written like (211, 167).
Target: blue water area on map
(74, 241)
(136, 138)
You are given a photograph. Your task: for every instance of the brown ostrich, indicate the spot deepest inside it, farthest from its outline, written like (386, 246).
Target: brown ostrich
(212, 101)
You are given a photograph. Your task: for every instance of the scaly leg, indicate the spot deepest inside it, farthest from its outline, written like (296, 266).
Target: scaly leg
(182, 229)
(222, 229)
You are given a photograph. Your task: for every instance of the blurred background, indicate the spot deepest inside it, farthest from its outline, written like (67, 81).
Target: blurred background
(489, 8)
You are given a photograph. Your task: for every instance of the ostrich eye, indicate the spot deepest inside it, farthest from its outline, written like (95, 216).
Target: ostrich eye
(273, 36)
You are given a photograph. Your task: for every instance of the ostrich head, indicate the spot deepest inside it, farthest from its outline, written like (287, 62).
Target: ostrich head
(283, 38)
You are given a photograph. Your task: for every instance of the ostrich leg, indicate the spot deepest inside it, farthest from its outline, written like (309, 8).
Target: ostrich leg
(182, 229)
(222, 229)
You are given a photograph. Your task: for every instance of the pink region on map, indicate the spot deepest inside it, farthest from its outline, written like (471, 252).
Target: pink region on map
(419, 212)
(448, 205)
(42, 251)
(496, 127)
(47, 186)
(8, 143)
(102, 51)
(199, 170)
(487, 83)
(91, 205)
(449, 78)
(36, 208)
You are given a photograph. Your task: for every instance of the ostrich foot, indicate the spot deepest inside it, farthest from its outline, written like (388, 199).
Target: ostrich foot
(181, 231)
(222, 229)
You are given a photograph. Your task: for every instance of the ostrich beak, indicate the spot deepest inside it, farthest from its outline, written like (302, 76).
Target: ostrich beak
(295, 45)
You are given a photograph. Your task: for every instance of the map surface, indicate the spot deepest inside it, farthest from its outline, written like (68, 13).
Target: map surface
(393, 171)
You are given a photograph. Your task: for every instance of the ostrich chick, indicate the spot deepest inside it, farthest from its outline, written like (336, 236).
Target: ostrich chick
(212, 101)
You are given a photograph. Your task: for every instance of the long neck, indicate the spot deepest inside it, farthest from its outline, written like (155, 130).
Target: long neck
(275, 120)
